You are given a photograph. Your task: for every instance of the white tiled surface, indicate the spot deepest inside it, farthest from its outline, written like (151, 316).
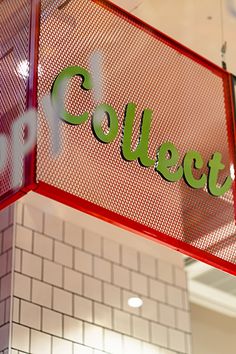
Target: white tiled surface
(43, 246)
(6, 238)
(103, 315)
(53, 226)
(71, 289)
(129, 258)
(139, 283)
(102, 269)
(41, 293)
(40, 343)
(140, 328)
(52, 273)
(52, 322)
(73, 235)
(112, 295)
(159, 334)
(30, 315)
(73, 329)
(62, 301)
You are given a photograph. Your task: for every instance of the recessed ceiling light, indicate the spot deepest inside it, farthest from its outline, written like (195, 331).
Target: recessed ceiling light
(135, 302)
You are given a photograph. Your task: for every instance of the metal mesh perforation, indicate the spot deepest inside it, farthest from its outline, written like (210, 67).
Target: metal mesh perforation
(189, 110)
(14, 48)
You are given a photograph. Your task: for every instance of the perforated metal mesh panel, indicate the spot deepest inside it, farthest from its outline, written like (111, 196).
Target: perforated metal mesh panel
(14, 56)
(189, 107)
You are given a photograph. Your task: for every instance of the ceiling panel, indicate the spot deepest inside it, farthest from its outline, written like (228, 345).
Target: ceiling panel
(200, 25)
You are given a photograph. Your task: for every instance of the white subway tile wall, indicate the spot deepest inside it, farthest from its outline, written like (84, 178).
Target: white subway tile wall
(6, 242)
(71, 288)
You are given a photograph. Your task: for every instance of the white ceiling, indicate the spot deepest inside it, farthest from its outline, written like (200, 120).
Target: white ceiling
(211, 288)
(202, 25)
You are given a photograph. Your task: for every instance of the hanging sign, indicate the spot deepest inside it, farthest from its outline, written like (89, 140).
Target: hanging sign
(133, 128)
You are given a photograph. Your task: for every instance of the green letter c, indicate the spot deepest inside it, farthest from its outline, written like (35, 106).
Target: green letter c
(59, 88)
(193, 157)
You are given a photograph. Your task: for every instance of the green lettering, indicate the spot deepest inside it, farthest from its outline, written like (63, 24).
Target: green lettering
(97, 120)
(215, 166)
(163, 163)
(193, 159)
(58, 91)
(141, 151)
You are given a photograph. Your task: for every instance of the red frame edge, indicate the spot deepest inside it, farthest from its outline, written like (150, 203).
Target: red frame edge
(123, 222)
(31, 102)
(32, 85)
(231, 127)
(90, 208)
(133, 226)
(181, 48)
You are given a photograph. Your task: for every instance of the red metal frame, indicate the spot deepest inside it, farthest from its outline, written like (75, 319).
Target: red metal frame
(120, 221)
(110, 6)
(125, 223)
(231, 128)
(30, 161)
(32, 102)
(91, 208)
